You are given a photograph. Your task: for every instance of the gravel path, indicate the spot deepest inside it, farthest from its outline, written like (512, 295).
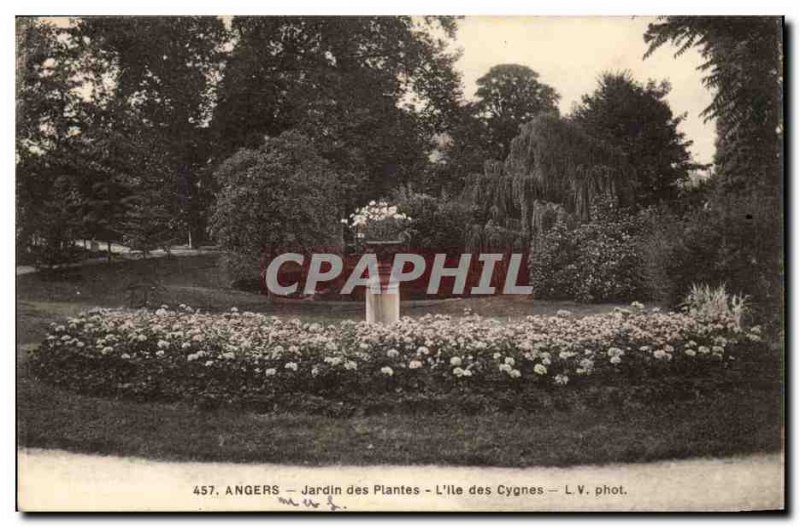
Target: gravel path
(52, 480)
(121, 254)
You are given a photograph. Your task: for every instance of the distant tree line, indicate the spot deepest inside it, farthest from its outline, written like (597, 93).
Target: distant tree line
(253, 132)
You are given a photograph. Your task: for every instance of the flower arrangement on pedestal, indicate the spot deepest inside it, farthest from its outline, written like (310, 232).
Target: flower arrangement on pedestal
(379, 222)
(380, 229)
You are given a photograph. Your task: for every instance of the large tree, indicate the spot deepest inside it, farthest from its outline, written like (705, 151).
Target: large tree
(636, 120)
(370, 91)
(744, 66)
(159, 75)
(53, 177)
(510, 95)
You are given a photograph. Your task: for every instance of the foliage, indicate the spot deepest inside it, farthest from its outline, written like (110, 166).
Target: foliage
(709, 302)
(437, 223)
(707, 245)
(254, 359)
(744, 67)
(554, 168)
(637, 120)
(282, 194)
(597, 261)
(157, 103)
(510, 95)
(371, 92)
(162, 71)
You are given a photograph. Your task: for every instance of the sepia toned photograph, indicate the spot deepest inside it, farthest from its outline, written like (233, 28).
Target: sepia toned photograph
(400, 263)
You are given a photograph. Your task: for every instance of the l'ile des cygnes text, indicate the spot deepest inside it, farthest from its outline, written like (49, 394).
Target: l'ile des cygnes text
(440, 489)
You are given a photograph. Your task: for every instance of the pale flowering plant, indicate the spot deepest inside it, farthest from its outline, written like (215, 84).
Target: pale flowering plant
(239, 357)
(378, 220)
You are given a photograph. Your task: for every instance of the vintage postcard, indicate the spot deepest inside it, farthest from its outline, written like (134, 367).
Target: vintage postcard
(400, 263)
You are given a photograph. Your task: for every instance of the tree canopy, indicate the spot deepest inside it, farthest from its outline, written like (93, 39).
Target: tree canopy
(637, 121)
(510, 95)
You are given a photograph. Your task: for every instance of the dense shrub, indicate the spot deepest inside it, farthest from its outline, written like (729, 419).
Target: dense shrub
(251, 359)
(436, 223)
(597, 261)
(732, 242)
(283, 193)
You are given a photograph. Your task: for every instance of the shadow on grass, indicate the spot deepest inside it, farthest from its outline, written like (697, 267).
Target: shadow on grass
(727, 424)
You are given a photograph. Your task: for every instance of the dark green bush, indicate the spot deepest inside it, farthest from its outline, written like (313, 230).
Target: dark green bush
(597, 261)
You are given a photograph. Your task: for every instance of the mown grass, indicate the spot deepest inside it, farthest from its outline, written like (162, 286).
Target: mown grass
(727, 424)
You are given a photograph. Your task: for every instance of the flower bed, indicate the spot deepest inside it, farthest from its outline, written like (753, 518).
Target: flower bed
(252, 359)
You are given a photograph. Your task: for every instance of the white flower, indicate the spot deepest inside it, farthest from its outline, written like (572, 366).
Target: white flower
(414, 364)
(125, 356)
(423, 350)
(561, 379)
(392, 353)
(107, 350)
(269, 372)
(455, 361)
(504, 367)
(540, 369)
(234, 310)
(615, 359)
(163, 344)
(291, 366)
(386, 370)
(515, 373)
(690, 352)
(509, 361)
(350, 365)
(458, 372)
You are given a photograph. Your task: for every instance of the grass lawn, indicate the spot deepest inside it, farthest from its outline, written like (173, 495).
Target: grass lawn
(725, 425)
(744, 418)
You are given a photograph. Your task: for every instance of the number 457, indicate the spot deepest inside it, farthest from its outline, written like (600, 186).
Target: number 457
(203, 490)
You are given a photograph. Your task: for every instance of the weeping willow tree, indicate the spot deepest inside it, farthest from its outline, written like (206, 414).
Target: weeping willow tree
(554, 172)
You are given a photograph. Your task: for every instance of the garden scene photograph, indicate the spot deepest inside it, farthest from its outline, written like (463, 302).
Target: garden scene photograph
(358, 244)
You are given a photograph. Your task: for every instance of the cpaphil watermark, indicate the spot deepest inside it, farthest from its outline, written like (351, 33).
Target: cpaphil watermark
(435, 273)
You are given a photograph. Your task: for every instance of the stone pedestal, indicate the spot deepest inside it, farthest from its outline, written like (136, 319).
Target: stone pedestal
(383, 298)
(383, 307)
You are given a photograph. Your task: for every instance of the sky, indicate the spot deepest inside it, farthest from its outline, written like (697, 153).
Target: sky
(570, 53)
